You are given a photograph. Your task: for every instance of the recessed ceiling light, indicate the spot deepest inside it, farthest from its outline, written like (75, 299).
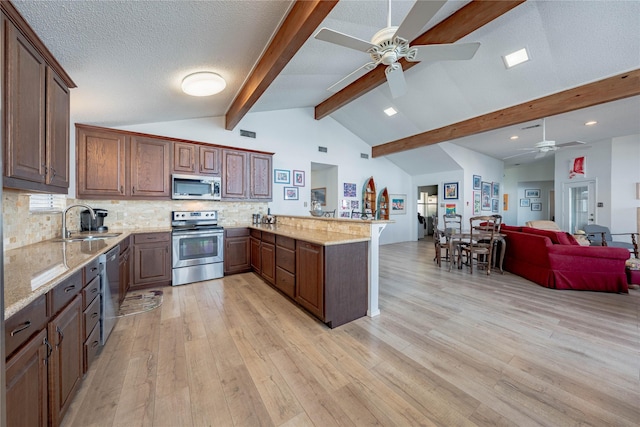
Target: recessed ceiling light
(515, 58)
(203, 83)
(390, 111)
(590, 123)
(513, 137)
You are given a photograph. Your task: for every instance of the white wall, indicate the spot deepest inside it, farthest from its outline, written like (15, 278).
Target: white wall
(625, 173)
(294, 136)
(519, 178)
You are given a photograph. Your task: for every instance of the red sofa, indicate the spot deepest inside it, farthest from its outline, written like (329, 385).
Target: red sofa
(554, 259)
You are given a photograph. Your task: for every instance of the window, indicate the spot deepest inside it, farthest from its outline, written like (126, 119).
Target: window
(47, 202)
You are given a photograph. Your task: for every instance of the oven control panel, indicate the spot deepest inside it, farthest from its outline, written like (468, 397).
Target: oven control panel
(194, 216)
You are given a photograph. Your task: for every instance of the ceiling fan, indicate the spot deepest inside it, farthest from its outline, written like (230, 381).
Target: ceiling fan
(391, 43)
(545, 146)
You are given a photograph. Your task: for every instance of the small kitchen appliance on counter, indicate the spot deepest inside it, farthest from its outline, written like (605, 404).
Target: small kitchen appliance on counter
(197, 246)
(97, 224)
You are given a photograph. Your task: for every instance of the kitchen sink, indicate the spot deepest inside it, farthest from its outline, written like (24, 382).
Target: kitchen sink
(83, 237)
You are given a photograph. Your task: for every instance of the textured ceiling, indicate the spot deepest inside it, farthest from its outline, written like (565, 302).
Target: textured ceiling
(128, 58)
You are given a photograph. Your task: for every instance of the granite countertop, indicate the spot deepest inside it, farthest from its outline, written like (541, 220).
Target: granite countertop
(33, 270)
(319, 237)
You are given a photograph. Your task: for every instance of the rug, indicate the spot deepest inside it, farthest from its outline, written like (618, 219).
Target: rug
(139, 302)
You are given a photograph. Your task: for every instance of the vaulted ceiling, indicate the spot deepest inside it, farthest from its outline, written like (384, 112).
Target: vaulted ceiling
(128, 59)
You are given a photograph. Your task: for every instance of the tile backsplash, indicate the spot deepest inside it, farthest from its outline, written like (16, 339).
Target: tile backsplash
(21, 228)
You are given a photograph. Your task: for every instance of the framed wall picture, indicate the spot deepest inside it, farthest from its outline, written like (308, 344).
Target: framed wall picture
(525, 203)
(298, 178)
(451, 191)
(536, 206)
(477, 202)
(486, 196)
(398, 204)
(494, 205)
(291, 193)
(349, 190)
(532, 193)
(319, 195)
(281, 176)
(450, 209)
(505, 202)
(495, 189)
(477, 180)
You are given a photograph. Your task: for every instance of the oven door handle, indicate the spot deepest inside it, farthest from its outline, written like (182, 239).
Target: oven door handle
(198, 233)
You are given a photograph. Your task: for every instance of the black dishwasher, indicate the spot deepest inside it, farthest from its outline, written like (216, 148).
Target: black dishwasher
(110, 288)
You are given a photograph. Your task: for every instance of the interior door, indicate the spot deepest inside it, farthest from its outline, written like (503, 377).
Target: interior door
(579, 204)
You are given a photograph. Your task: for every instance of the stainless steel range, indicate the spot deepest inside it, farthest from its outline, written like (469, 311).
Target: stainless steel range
(198, 246)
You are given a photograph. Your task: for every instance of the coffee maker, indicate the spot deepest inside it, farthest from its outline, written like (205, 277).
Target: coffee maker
(89, 224)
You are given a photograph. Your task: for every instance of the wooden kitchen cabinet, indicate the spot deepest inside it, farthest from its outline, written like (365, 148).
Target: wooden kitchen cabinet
(101, 169)
(196, 159)
(286, 265)
(36, 111)
(237, 250)
(65, 362)
(125, 267)
(268, 257)
(234, 174)
(309, 291)
(151, 260)
(150, 171)
(256, 237)
(260, 176)
(27, 384)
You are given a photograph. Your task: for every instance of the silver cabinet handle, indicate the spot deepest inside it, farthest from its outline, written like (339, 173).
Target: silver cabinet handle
(24, 326)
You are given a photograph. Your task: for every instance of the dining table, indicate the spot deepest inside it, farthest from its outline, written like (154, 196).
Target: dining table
(456, 237)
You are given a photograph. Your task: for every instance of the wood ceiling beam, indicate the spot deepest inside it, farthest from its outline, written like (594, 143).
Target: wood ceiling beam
(301, 21)
(463, 22)
(622, 86)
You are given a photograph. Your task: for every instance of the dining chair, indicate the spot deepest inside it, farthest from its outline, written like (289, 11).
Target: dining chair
(452, 224)
(479, 249)
(599, 235)
(438, 242)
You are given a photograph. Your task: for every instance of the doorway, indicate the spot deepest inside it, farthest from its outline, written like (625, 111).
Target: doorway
(427, 208)
(324, 180)
(579, 203)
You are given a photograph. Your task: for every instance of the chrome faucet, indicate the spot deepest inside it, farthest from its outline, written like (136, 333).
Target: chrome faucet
(65, 233)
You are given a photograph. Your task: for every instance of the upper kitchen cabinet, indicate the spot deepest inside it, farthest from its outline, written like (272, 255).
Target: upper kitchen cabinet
(246, 175)
(150, 172)
(36, 111)
(101, 163)
(196, 159)
(260, 176)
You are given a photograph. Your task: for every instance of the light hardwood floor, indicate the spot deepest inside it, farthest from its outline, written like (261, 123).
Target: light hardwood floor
(448, 349)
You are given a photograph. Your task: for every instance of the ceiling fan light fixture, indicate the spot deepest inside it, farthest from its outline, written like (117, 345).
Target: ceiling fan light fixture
(515, 58)
(203, 83)
(390, 111)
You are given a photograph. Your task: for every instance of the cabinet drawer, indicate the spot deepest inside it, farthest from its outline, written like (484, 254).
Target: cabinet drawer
(286, 259)
(285, 281)
(91, 347)
(64, 292)
(256, 233)
(91, 271)
(286, 242)
(24, 324)
(151, 238)
(269, 237)
(91, 317)
(236, 232)
(90, 291)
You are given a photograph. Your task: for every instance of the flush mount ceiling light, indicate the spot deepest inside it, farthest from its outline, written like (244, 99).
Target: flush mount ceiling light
(590, 123)
(390, 111)
(515, 58)
(203, 83)
(514, 137)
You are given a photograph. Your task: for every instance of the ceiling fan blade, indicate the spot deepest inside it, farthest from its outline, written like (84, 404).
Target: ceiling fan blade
(442, 52)
(517, 155)
(336, 37)
(570, 144)
(540, 154)
(395, 78)
(419, 15)
(355, 75)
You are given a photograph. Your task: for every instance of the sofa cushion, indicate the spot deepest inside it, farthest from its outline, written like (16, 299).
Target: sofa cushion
(556, 237)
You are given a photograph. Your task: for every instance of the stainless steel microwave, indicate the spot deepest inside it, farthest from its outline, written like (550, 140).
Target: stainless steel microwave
(195, 187)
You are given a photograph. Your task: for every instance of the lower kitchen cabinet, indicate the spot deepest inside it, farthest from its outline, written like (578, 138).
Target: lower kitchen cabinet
(151, 259)
(254, 242)
(237, 250)
(26, 378)
(124, 264)
(310, 277)
(65, 362)
(268, 257)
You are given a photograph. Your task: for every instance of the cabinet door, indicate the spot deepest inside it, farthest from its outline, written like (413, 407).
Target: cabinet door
(234, 174)
(260, 176)
(309, 289)
(209, 160)
(65, 363)
(237, 253)
(124, 263)
(57, 141)
(151, 264)
(255, 255)
(101, 164)
(184, 157)
(150, 171)
(268, 259)
(27, 384)
(25, 108)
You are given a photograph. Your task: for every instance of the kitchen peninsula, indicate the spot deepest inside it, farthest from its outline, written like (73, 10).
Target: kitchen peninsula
(329, 266)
